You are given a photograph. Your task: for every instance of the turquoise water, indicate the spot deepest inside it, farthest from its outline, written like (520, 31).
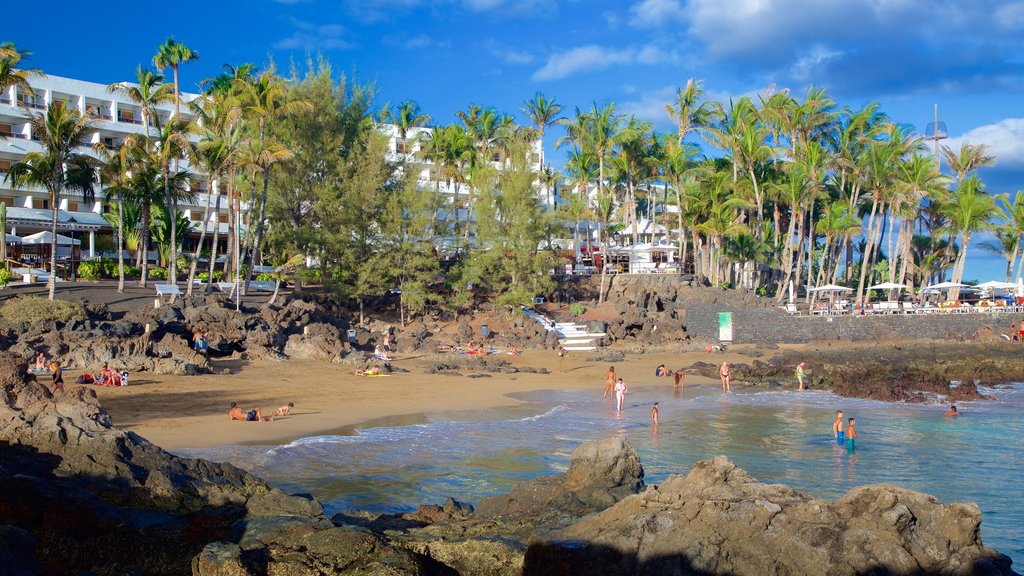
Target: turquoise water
(779, 437)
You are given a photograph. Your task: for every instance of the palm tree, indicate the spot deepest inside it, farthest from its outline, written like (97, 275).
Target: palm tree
(115, 176)
(971, 210)
(407, 117)
(691, 111)
(58, 166)
(171, 144)
(542, 112)
(969, 158)
(11, 74)
(172, 54)
(148, 92)
(265, 100)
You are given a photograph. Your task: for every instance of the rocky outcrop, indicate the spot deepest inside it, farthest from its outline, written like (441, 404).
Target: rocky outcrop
(601, 472)
(719, 520)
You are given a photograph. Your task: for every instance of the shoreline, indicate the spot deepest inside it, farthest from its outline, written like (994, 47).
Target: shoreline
(329, 399)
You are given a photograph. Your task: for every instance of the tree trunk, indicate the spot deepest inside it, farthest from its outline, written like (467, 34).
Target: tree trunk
(258, 242)
(865, 260)
(788, 261)
(51, 284)
(216, 237)
(120, 242)
(172, 215)
(202, 237)
(147, 215)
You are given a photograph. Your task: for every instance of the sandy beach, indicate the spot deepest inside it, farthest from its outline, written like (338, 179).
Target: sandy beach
(191, 412)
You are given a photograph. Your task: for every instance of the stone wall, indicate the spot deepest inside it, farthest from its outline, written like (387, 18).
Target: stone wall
(768, 325)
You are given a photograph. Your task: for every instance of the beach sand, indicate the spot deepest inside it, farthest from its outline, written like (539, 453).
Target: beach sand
(191, 412)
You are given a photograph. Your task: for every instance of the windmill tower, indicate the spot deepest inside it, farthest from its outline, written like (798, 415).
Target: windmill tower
(936, 131)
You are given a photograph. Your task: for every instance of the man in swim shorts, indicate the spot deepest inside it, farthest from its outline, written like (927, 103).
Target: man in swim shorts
(254, 415)
(837, 427)
(800, 375)
(851, 435)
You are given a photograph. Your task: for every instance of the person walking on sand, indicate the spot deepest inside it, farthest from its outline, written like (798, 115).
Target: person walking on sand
(654, 414)
(561, 359)
(851, 436)
(620, 394)
(801, 375)
(837, 427)
(609, 385)
(726, 376)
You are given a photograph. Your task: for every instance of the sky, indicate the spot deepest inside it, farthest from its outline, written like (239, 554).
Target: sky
(967, 56)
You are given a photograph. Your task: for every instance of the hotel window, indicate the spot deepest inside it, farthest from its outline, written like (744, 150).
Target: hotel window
(40, 204)
(5, 166)
(400, 146)
(223, 218)
(8, 201)
(72, 206)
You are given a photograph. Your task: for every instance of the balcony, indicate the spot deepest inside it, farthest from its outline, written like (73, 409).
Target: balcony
(13, 135)
(31, 104)
(129, 119)
(98, 115)
(5, 100)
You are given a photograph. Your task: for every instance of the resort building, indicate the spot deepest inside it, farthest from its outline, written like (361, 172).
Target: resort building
(114, 117)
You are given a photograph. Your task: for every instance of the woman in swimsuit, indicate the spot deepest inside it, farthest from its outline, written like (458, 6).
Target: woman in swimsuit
(620, 393)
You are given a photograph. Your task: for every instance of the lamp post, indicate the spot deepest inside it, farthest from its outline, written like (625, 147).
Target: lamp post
(72, 222)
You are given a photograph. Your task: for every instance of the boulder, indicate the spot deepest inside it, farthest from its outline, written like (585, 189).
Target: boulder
(719, 520)
(17, 551)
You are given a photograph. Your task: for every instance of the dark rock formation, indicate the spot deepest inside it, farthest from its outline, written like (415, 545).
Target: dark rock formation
(719, 520)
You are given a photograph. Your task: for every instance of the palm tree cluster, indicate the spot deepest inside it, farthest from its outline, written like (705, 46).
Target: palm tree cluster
(766, 192)
(803, 191)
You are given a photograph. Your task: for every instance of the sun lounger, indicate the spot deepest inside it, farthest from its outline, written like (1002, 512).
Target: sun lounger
(792, 310)
(169, 290)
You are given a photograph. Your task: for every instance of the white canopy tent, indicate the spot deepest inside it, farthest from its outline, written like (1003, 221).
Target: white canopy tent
(46, 237)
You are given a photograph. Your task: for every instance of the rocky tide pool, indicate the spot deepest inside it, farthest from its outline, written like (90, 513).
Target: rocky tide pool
(778, 437)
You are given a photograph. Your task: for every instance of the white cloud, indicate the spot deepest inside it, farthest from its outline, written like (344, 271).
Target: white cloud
(593, 58)
(417, 42)
(656, 13)
(1005, 140)
(651, 106)
(1010, 16)
(311, 37)
(807, 66)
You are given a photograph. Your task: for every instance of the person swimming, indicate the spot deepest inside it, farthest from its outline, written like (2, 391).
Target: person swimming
(952, 411)
(837, 427)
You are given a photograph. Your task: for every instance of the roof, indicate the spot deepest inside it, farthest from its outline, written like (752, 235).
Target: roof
(39, 217)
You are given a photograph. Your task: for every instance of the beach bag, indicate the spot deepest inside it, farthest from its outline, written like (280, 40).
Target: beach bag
(124, 378)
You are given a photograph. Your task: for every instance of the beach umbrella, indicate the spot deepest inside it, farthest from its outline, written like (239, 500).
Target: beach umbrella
(891, 287)
(996, 285)
(831, 288)
(790, 291)
(943, 286)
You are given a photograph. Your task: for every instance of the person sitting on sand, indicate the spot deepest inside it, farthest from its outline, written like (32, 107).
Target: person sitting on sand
(285, 410)
(952, 412)
(254, 415)
(662, 372)
(512, 351)
(41, 363)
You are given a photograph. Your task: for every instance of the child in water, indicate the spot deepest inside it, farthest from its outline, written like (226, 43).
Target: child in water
(837, 427)
(851, 435)
(654, 414)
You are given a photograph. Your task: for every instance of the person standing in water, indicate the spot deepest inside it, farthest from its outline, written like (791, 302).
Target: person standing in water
(800, 375)
(609, 385)
(851, 435)
(726, 377)
(620, 393)
(654, 414)
(837, 427)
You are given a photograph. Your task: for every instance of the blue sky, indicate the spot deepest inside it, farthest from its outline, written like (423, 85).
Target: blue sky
(966, 55)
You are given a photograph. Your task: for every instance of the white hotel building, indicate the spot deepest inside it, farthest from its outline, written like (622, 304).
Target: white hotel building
(115, 117)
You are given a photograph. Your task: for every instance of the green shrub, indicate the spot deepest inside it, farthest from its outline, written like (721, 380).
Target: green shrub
(577, 309)
(90, 270)
(158, 273)
(132, 271)
(35, 309)
(5, 276)
(218, 275)
(265, 277)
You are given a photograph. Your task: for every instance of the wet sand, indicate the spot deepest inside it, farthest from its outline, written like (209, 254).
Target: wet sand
(191, 412)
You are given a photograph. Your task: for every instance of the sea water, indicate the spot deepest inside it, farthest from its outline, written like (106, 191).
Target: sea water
(778, 437)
